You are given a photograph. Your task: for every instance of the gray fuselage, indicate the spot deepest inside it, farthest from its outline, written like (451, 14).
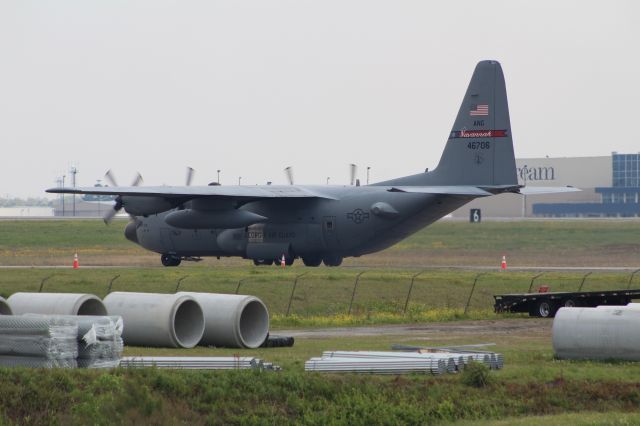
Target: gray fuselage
(361, 220)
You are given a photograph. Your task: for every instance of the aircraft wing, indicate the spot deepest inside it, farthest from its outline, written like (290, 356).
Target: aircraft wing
(191, 192)
(540, 190)
(443, 190)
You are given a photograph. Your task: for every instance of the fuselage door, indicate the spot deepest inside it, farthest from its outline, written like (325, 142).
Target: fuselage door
(329, 231)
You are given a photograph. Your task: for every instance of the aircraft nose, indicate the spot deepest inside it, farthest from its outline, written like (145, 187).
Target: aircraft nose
(131, 233)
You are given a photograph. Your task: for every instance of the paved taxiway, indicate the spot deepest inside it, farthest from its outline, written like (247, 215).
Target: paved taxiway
(519, 326)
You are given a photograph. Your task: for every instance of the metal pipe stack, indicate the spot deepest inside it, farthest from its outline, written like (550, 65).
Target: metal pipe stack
(197, 363)
(376, 365)
(381, 362)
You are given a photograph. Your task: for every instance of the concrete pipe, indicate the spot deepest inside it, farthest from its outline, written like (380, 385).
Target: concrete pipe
(5, 309)
(56, 304)
(593, 333)
(233, 321)
(161, 320)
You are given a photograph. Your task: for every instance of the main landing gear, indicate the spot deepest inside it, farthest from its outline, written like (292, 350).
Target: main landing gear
(170, 260)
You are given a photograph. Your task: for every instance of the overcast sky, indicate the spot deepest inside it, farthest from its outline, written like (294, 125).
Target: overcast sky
(250, 87)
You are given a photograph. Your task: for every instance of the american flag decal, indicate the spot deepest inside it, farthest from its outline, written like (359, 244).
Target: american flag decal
(479, 110)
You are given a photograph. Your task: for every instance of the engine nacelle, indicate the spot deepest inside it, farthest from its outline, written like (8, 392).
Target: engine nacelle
(144, 206)
(204, 219)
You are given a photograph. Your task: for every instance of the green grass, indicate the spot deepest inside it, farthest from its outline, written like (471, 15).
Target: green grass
(322, 296)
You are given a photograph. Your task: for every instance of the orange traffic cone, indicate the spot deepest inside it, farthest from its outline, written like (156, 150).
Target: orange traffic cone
(283, 263)
(503, 265)
(76, 265)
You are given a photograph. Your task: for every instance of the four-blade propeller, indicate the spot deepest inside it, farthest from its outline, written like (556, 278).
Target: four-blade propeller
(111, 213)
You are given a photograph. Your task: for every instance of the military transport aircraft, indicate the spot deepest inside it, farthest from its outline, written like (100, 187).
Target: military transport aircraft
(324, 224)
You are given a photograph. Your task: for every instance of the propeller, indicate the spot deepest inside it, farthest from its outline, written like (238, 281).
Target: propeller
(190, 173)
(289, 172)
(353, 169)
(111, 213)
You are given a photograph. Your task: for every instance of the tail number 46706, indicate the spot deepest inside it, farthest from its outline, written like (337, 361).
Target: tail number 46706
(479, 145)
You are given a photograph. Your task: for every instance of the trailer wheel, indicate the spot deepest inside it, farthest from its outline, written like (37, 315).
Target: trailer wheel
(543, 309)
(569, 303)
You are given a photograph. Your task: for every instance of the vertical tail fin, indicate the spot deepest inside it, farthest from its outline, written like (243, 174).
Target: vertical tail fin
(479, 150)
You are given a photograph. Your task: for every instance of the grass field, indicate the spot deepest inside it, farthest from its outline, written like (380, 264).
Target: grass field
(532, 388)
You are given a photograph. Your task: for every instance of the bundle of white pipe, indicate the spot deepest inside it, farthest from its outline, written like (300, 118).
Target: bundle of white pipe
(161, 320)
(5, 309)
(56, 304)
(605, 332)
(233, 321)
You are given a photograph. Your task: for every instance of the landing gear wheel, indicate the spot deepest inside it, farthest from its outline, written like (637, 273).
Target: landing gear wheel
(170, 260)
(260, 262)
(332, 260)
(312, 261)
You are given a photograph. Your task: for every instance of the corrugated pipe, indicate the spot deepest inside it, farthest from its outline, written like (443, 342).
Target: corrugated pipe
(161, 320)
(233, 321)
(56, 304)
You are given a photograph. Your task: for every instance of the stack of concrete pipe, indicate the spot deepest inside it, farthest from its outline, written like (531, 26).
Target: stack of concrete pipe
(602, 333)
(183, 319)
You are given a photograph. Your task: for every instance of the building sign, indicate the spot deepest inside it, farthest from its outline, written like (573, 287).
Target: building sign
(526, 173)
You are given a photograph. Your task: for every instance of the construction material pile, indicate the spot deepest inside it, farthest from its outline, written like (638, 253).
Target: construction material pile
(35, 340)
(99, 339)
(385, 362)
(38, 342)
(198, 363)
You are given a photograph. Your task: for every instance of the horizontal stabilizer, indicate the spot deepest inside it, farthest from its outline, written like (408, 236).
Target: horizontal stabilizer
(540, 190)
(442, 190)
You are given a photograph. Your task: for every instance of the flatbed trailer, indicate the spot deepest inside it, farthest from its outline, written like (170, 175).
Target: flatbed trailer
(547, 304)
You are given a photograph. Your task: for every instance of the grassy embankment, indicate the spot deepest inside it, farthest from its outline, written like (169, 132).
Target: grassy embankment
(532, 384)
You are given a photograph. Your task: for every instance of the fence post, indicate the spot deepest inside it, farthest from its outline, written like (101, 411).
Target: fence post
(583, 280)
(43, 281)
(239, 283)
(533, 279)
(111, 283)
(472, 289)
(293, 290)
(631, 278)
(180, 282)
(355, 286)
(406, 302)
